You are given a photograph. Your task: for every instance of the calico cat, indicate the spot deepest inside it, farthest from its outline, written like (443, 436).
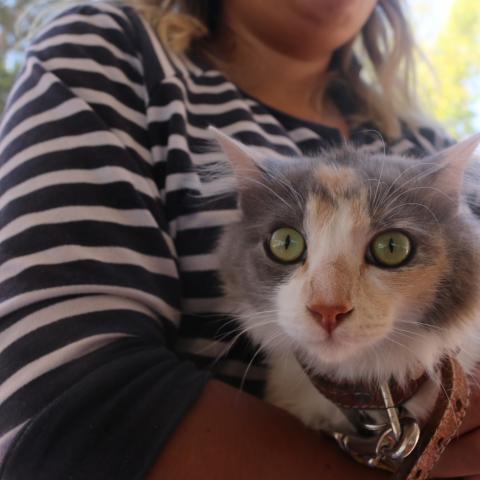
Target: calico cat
(365, 266)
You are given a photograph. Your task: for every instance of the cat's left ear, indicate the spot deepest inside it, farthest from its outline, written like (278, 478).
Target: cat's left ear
(245, 162)
(453, 162)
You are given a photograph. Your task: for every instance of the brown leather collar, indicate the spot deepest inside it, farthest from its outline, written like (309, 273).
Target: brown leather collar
(362, 395)
(447, 416)
(443, 424)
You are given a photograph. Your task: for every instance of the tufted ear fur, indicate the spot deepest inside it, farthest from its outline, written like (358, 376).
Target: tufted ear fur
(244, 160)
(453, 163)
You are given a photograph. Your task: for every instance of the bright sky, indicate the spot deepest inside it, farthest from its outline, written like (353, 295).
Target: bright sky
(428, 18)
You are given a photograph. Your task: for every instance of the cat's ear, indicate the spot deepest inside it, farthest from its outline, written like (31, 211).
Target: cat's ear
(244, 160)
(453, 162)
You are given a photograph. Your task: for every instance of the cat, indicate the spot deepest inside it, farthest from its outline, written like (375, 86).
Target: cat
(366, 266)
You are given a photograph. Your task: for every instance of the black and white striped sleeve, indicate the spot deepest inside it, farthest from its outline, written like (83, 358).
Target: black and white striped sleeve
(89, 287)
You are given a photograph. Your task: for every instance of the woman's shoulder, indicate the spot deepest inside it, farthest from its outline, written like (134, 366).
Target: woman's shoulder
(112, 34)
(100, 19)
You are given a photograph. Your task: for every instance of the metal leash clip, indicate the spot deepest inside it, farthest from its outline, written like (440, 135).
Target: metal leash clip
(383, 445)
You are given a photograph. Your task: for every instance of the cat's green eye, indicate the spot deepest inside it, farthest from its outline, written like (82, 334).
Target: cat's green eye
(286, 245)
(391, 249)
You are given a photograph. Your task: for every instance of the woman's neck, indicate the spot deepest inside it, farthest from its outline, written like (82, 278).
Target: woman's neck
(293, 85)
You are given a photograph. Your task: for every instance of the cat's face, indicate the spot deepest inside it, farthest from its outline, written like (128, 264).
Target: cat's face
(354, 258)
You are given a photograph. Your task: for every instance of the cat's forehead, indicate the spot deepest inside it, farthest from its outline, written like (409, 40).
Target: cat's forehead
(364, 185)
(368, 166)
(349, 173)
(359, 182)
(336, 182)
(337, 201)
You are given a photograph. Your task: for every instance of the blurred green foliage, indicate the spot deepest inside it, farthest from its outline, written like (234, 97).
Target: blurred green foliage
(15, 16)
(6, 80)
(9, 10)
(452, 92)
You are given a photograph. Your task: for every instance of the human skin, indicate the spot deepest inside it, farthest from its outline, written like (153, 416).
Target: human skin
(230, 435)
(282, 50)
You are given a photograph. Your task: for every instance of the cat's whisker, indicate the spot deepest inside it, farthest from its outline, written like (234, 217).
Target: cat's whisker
(450, 405)
(237, 318)
(388, 338)
(273, 192)
(424, 325)
(376, 205)
(379, 135)
(255, 355)
(469, 354)
(417, 204)
(377, 358)
(213, 345)
(244, 330)
(208, 315)
(296, 195)
(258, 312)
(220, 336)
(242, 317)
(258, 325)
(424, 173)
(416, 178)
(374, 201)
(239, 307)
(413, 189)
(229, 344)
(412, 332)
(279, 178)
(435, 167)
(409, 334)
(251, 179)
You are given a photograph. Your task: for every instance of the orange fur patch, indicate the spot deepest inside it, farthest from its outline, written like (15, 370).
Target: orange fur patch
(340, 275)
(338, 180)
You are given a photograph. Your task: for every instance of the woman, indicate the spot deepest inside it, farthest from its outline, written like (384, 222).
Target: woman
(108, 284)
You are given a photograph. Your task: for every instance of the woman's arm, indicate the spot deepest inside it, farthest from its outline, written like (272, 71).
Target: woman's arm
(89, 287)
(231, 435)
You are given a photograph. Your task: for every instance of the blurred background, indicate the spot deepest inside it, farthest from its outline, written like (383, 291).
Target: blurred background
(447, 31)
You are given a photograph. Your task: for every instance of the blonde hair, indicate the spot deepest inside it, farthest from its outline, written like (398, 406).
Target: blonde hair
(377, 67)
(376, 70)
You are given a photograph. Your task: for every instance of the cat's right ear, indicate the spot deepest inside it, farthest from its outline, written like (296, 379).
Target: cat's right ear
(453, 162)
(244, 160)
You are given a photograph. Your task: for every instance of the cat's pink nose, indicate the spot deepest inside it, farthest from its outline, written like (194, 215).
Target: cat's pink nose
(329, 316)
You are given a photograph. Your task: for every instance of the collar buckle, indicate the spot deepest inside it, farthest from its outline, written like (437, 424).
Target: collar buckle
(378, 443)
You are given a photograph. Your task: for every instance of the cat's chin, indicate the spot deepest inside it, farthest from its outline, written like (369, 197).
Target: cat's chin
(332, 351)
(343, 361)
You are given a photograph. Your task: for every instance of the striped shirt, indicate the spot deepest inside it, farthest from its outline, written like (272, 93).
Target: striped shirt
(111, 317)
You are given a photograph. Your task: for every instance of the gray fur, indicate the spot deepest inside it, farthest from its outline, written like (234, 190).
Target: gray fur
(399, 193)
